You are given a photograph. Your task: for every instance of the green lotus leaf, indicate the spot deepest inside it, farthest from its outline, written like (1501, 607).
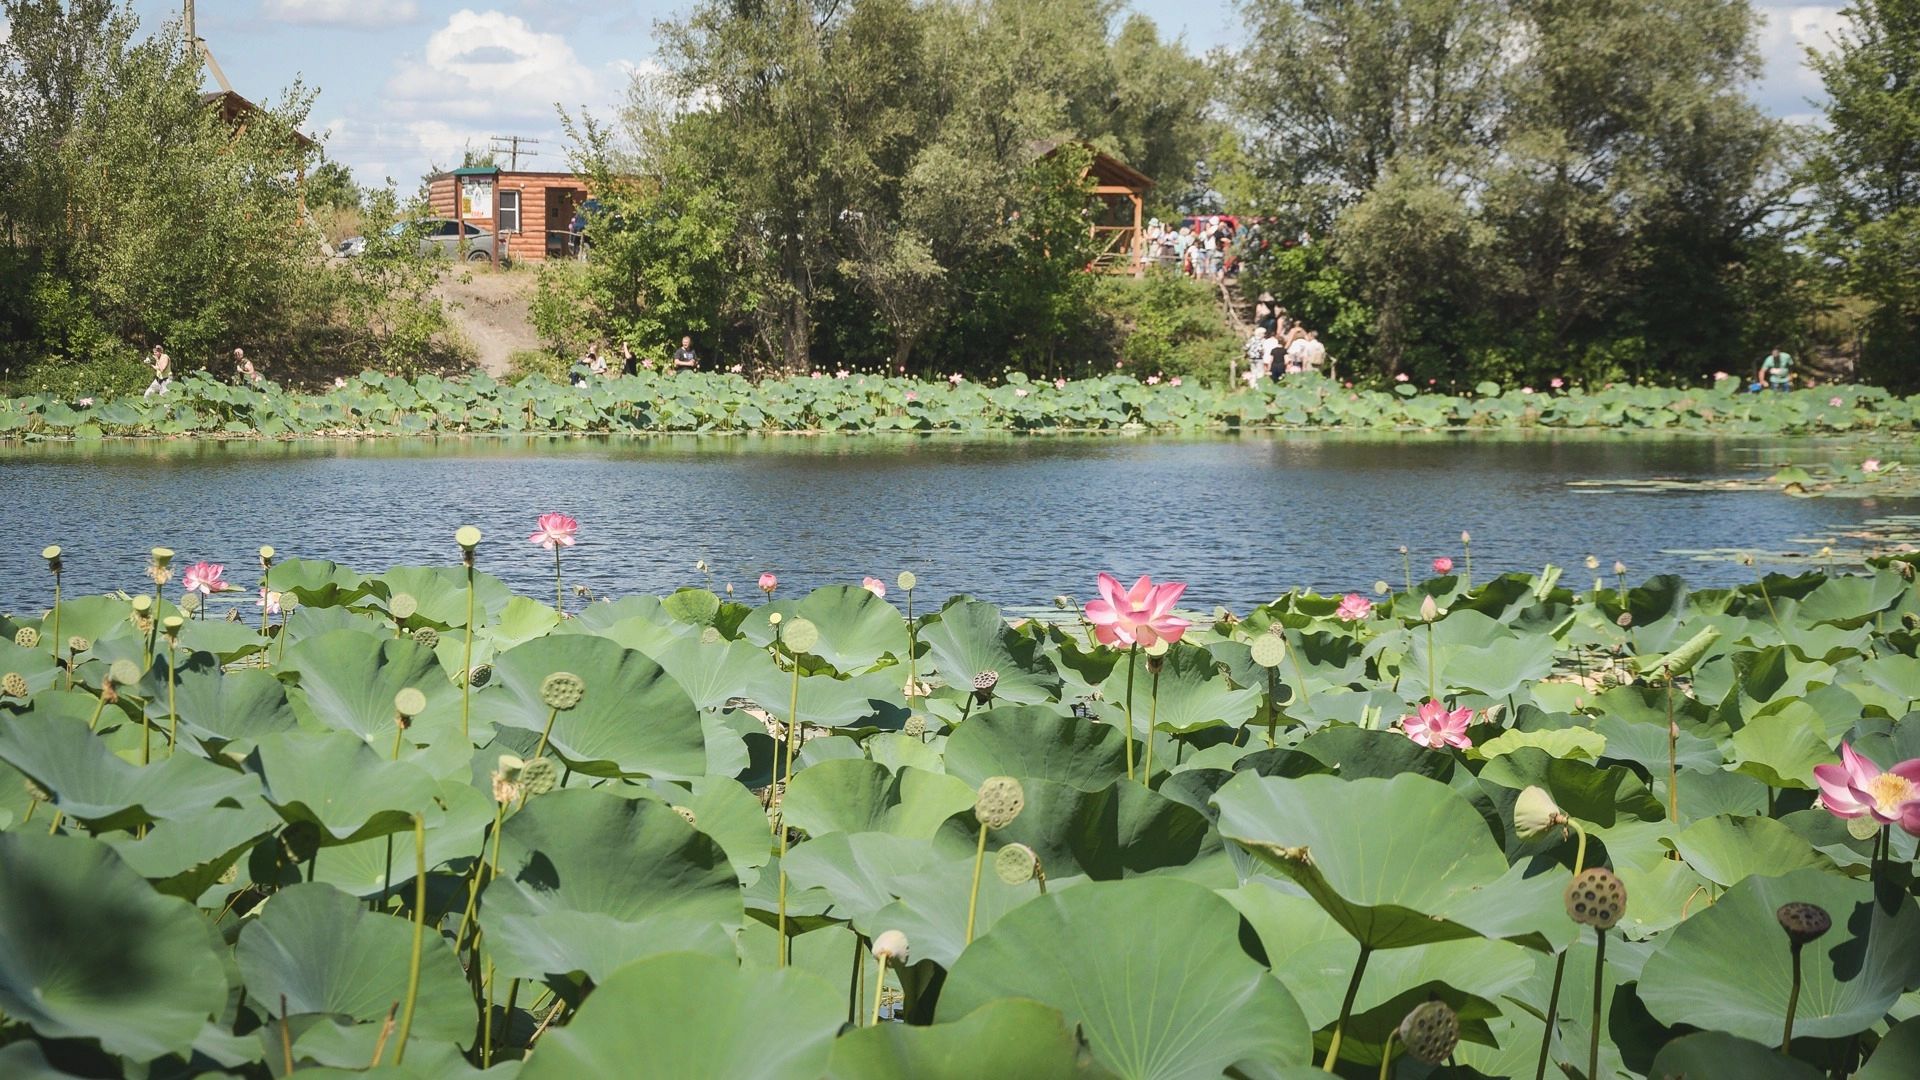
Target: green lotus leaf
(872, 699)
(380, 865)
(1122, 830)
(1715, 1053)
(89, 951)
(96, 618)
(634, 719)
(1399, 862)
(1358, 753)
(1852, 600)
(968, 638)
(856, 795)
(1592, 793)
(714, 675)
(306, 622)
(1007, 1038)
(348, 682)
(329, 955)
(440, 593)
(590, 881)
(859, 870)
(1193, 694)
(1036, 742)
(224, 639)
(1727, 967)
(686, 1016)
(932, 906)
(856, 627)
(1570, 743)
(317, 582)
(1780, 750)
(1183, 1001)
(215, 705)
(1898, 1055)
(334, 780)
(185, 856)
(89, 783)
(1726, 849)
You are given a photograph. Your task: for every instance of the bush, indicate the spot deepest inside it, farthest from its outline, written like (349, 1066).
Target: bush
(1167, 324)
(524, 364)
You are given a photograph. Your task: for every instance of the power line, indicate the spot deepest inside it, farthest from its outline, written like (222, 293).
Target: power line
(512, 148)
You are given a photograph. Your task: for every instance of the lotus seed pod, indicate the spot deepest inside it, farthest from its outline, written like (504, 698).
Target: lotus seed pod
(467, 537)
(1625, 620)
(891, 946)
(27, 637)
(76, 643)
(915, 726)
(710, 635)
(1269, 650)
(266, 555)
(51, 553)
(480, 676)
(427, 636)
(124, 672)
(1381, 588)
(142, 604)
(288, 602)
(172, 624)
(907, 581)
(1014, 864)
(773, 619)
(410, 702)
(1862, 828)
(162, 557)
(539, 776)
(511, 766)
(686, 812)
(13, 684)
(1429, 610)
(801, 635)
(190, 602)
(983, 685)
(1596, 898)
(1430, 1032)
(999, 801)
(1535, 812)
(1803, 922)
(562, 690)
(402, 606)
(36, 792)
(1156, 648)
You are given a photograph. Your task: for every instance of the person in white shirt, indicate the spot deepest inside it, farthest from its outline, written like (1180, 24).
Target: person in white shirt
(162, 366)
(1296, 354)
(1313, 355)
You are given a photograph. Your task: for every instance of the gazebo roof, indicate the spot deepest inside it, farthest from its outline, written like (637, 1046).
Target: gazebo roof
(1106, 169)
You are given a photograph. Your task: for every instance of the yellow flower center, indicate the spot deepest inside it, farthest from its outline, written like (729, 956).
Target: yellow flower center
(1889, 791)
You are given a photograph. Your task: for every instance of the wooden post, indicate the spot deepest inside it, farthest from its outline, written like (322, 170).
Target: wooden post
(1139, 240)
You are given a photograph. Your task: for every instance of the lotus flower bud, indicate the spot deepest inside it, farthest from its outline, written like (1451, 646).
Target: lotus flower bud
(562, 690)
(1466, 537)
(1619, 568)
(76, 643)
(402, 606)
(686, 813)
(1430, 1032)
(410, 702)
(1535, 812)
(1596, 898)
(999, 801)
(801, 635)
(13, 684)
(1429, 611)
(891, 945)
(539, 776)
(983, 685)
(51, 553)
(1803, 922)
(427, 636)
(481, 675)
(1015, 864)
(907, 581)
(27, 637)
(1403, 549)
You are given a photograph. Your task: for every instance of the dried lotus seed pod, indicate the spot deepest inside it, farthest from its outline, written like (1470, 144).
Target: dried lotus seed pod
(481, 675)
(1803, 922)
(539, 776)
(27, 637)
(800, 635)
(1596, 898)
(999, 801)
(562, 690)
(427, 636)
(76, 643)
(1430, 1032)
(1014, 864)
(915, 726)
(983, 685)
(13, 684)
(686, 812)
(403, 606)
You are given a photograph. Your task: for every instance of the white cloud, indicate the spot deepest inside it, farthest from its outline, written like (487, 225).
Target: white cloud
(488, 65)
(352, 13)
(1785, 35)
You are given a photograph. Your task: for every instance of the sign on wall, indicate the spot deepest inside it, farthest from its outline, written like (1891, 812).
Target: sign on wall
(476, 197)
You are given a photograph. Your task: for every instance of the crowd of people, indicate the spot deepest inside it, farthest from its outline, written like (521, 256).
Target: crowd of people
(1280, 345)
(594, 365)
(1199, 247)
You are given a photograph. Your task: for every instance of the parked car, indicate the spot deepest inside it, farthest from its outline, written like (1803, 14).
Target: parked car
(435, 236)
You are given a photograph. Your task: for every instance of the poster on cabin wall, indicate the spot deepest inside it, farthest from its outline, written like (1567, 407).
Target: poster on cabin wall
(476, 197)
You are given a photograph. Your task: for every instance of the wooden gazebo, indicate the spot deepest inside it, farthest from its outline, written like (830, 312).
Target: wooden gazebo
(1121, 191)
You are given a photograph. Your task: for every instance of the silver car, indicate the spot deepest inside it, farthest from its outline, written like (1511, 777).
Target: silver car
(442, 237)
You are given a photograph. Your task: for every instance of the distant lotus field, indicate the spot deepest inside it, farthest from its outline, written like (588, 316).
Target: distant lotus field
(373, 404)
(297, 818)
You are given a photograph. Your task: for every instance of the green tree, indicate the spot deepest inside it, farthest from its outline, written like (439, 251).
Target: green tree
(1865, 169)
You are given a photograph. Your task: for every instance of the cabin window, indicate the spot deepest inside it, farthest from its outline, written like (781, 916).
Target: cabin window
(509, 211)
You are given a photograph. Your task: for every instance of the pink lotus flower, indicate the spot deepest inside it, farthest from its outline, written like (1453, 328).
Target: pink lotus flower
(1872, 464)
(1432, 725)
(1020, 391)
(269, 602)
(1717, 376)
(1153, 380)
(86, 401)
(1834, 402)
(1402, 377)
(205, 578)
(1175, 381)
(875, 586)
(1528, 390)
(955, 379)
(555, 529)
(736, 369)
(1443, 565)
(1141, 615)
(911, 396)
(768, 583)
(1556, 382)
(648, 364)
(1059, 384)
(1353, 608)
(1857, 787)
(840, 374)
(815, 375)
(339, 382)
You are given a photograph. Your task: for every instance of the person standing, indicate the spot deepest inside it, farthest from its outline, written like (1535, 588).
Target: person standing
(1776, 370)
(684, 358)
(162, 366)
(244, 370)
(629, 363)
(1313, 355)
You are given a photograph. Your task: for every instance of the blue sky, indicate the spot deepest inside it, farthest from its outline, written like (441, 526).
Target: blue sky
(406, 84)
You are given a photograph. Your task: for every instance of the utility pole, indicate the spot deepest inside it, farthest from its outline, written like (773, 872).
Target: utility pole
(512, 148)
(200, 51)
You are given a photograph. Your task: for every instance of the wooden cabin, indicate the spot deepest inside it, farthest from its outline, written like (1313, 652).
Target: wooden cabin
(534, 210)
(1120, 190)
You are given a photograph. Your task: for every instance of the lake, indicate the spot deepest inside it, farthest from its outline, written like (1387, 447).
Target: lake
(1009, 519)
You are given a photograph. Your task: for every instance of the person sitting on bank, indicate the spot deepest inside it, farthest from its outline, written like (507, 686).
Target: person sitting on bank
(684, 358)
(1776, 370)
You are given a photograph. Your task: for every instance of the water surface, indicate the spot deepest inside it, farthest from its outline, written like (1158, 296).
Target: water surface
(1009, 519)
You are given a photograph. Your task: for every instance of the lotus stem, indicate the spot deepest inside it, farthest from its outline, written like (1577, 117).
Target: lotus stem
(856, 979)
(1580, 850)
(56, 620)
(546, 732)
(793, 736)
(1433, 684)
(879, 988)
(1406, 565)
(559, 597)
(286, 1037)
(386, 1032)
(479, 865)
(173, 714)
(466, 663)
(1346, 1009)
(419, 932)
(1153, 721)
(1386, 1056)
(486, 1018)
(973, 894)
(1132, 654)
(1467, 547)
(1793, 1002)
(98, 708)
(1599, 981)
(913, 662)
(506, 1014)
(54, 827)
(1273, 705)
(1553, 1012)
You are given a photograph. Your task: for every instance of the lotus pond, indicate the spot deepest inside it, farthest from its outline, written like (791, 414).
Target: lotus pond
(417, 823)
(1012, 519)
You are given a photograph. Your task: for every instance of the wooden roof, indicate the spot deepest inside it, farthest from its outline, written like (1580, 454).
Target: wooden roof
(238, 111)
(1104, 168)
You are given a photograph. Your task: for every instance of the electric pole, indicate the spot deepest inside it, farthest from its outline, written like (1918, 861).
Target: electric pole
(512, 149)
